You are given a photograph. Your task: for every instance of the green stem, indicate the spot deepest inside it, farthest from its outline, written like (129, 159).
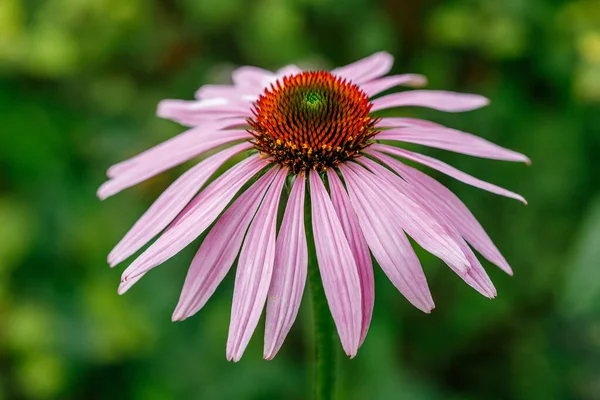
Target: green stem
(325, 345)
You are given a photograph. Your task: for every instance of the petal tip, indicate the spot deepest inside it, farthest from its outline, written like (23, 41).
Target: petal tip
(122, 289)
(126, 283)
(114, 258)
(233, 357)
(385, 54)
(103, 191)
(163, 108)
(418, 81)
(428, 308)
(177, 316)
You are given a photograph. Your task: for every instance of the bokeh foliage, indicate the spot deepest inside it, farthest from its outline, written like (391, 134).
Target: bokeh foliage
(79, 82)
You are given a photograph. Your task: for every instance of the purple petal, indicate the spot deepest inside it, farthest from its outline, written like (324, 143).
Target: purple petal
(451, 206)
(288, 70)
(379, 85)
(448, 170)
(152, 167)
(415, 221)
(193, 220)
(478, 279)
(251, 77)
(155, 161)
(337, 266)
(452, 140)
(220, 248)
(175, 145)
(169, 204)
(358, 245)
(227, 92)
(405, 122)
(191, 113)
(387, 241)
(254, 271)
(436, 99)
(367, 69)
(289, 272)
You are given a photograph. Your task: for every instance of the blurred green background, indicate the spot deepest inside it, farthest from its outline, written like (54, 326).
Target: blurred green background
(79, 83)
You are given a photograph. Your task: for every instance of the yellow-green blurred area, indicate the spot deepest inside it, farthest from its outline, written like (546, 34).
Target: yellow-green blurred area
(79, 83)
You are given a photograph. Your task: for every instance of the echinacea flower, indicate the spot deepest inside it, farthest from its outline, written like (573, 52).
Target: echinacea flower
(315, 132)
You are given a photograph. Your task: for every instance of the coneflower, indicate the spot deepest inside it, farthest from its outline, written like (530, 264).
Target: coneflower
(314, 135)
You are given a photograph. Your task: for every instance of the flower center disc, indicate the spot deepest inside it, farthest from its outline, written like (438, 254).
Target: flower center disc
(312, 120)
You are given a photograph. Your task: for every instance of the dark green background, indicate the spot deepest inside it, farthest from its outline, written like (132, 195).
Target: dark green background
(79, 83)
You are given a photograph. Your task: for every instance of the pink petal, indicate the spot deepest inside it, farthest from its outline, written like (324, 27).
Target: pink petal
(190, 113)
(447, 169)
(337, 266)
(358, 245)
(405, 122)
(227, 92)
(251, 77)
(288, 70)
(250, 83)
(478, 279)
(176, 144)
(154, 161)
(452, 140)
(289, 272)
(388, 243)
(169, 204)
(423, 227)
(379, 85)
(220, 249)
(451, 206)
(193, 220)
(436, 99)
(367, 69)
(254, 271)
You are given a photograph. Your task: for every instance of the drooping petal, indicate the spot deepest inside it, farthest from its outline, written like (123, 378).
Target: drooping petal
(436, 99)
(451, 206)
(394, 122)
(448, 170)
(156, 166)
(367, 69)
(452, 140)
(254, 271)
(415, 221)
(251, 77)
(227, 92)
(337, 266)
(206, 92)
(387, 241)
(164, 151)
(387, 82)
(289, 272)
(358, 245)
(220, 249)
(169, 204)
(478, 278)
(191, 113)
(193, 220)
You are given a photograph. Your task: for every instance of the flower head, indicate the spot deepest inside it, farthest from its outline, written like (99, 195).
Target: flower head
(312, 121)
(317, 132)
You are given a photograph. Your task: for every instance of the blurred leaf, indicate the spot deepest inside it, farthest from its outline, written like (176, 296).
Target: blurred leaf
(581, 293)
